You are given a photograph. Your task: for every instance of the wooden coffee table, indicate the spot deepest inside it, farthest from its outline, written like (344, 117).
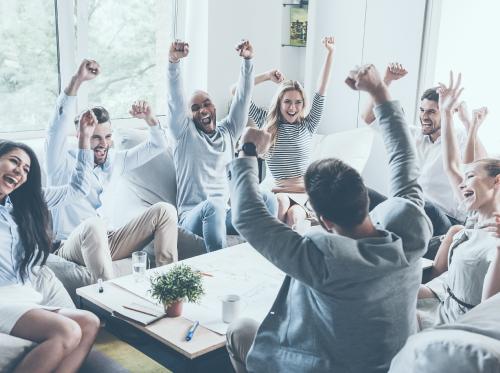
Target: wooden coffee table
(164, 340)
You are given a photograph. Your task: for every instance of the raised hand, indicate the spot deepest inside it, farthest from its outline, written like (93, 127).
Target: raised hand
(394, 71)
(178, 49)
(142, 110)
(276, 76)
(245, 49)
(478, 116)
(260, 138)
(448, 95)
(88, 70)
(463, 114)
(86, 127)
(364, 78)
(329, 43)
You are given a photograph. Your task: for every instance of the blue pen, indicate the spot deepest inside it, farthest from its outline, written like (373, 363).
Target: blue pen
(191, 330)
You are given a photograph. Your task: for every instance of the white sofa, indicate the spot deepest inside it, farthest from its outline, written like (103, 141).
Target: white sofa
(470, 345)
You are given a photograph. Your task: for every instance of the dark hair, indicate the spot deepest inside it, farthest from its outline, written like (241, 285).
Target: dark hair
(100, 113)
(30, 212)
(430, 94)
(337, 192)
(490, 165)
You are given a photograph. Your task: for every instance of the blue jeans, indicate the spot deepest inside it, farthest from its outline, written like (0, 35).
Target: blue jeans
(210, 220)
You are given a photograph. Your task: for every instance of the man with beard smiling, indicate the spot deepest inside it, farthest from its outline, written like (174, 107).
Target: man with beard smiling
(440, 204)
(82, 236)
(204, 147)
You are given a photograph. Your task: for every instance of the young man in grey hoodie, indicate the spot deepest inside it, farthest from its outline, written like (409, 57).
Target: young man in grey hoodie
(348, 302)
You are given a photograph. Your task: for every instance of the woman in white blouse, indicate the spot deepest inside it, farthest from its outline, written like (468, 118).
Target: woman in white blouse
(64, 336)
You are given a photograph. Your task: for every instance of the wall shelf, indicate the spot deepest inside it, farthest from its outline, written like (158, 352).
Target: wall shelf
(294, 46)
(301, 4)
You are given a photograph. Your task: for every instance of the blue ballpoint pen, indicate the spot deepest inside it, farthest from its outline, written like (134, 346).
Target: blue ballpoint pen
(191, 330)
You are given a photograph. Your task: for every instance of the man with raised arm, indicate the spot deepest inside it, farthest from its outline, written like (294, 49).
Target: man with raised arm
(348, 302)
(82, 236)
(204, 147)
(440, 205)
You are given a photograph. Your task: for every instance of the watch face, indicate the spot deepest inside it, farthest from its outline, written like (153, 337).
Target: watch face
(249, 148)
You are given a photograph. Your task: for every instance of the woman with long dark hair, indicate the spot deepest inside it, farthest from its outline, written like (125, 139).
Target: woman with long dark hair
(64, 336)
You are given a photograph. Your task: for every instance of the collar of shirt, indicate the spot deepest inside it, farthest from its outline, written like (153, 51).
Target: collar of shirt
(7, 204)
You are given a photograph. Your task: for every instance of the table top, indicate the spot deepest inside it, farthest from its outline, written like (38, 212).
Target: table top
(238, 269)
(172, 331)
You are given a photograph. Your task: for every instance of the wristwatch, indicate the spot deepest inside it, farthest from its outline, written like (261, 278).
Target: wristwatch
(249, 148)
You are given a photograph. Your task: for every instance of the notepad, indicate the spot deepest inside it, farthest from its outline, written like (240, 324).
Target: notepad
(141, 313)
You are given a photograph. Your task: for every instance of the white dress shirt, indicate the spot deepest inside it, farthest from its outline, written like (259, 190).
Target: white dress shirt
(61, 162)
(433, 178)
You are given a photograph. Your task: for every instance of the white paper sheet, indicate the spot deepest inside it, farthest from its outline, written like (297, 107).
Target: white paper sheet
(235, 270)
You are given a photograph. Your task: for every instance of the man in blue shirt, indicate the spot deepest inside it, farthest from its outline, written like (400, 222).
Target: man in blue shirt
(203, 148)
(83, 233)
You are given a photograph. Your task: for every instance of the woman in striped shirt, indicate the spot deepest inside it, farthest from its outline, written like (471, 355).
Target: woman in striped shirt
(292, 130)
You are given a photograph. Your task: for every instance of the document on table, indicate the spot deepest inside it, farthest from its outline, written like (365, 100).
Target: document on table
(235, 270)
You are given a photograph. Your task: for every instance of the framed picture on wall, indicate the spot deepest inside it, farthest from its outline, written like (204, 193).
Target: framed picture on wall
(298, 26)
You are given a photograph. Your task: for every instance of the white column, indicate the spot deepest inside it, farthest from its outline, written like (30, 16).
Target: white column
(345, 21)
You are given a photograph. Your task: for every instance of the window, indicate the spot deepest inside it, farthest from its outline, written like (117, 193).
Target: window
(129, 39)
(130, 42)
(467, 43)
(28, 64)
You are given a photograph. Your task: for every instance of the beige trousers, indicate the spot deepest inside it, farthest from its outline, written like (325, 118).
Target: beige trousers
(239, 338)
(91, 245)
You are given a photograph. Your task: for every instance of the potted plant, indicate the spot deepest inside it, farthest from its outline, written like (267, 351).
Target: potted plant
(173, 287)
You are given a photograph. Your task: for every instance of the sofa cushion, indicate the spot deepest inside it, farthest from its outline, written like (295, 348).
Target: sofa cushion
(470, 345)
(155, 181)
(448, 351)
(12, 350)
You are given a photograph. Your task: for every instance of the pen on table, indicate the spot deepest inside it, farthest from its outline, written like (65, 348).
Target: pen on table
(205, 274)
(191, 330)
(99, 285)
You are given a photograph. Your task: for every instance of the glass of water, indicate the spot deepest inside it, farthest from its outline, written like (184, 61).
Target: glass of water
(139, 265)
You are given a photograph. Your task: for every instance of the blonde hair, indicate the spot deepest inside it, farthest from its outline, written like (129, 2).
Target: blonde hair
(490, 165)
(274, 114)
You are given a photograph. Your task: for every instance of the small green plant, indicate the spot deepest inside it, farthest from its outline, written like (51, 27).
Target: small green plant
(180, 283)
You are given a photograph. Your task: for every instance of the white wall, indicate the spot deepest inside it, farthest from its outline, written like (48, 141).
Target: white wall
(366, 31)
(229, 22)
(344, 20)
(390, 38)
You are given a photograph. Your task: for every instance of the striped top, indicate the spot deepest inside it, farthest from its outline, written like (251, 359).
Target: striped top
(291, 154)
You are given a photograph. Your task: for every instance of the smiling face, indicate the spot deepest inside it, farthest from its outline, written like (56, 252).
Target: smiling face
(203, 112)
(430, 119)
(101, 141)
(292, 106)
(479, 189)
(14, 169)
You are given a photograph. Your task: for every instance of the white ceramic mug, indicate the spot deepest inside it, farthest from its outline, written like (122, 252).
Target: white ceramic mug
(230, 308)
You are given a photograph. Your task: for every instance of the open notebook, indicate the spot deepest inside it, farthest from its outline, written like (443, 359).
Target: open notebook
(141, 313)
